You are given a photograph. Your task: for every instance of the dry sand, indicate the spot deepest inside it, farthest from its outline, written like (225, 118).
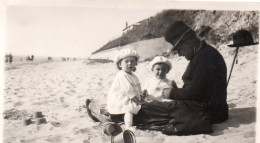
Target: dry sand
(59, 90)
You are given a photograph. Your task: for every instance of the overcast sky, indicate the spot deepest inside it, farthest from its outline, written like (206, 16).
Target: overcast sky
(62, 29)
(76, 28)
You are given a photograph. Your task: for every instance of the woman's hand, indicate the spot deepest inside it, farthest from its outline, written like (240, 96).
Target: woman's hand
(166, 93)
(144, 95)
(137, 101)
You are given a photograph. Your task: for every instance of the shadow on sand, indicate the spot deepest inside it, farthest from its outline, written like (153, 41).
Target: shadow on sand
(237, 117)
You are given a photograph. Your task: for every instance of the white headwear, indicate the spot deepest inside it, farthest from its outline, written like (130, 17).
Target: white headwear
(161, 59)
(126, 53)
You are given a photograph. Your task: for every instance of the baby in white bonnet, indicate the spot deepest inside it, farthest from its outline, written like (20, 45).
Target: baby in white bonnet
(154, 86)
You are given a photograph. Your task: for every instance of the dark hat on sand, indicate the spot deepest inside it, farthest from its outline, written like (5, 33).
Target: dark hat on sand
(176, 32)
(242, 38)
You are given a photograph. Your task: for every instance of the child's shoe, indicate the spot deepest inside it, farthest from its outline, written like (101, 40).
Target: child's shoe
(112, 129)
(89, 111)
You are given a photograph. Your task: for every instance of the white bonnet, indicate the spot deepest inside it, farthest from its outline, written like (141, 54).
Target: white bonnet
(125, 53)
(161, 59)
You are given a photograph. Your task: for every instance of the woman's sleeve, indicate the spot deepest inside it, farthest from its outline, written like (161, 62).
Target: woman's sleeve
(174, 85)
(196, 88)
(126, 87)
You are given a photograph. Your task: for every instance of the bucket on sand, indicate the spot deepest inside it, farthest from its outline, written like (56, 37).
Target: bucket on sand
(27, 122)
(38, 115)
(40, 121)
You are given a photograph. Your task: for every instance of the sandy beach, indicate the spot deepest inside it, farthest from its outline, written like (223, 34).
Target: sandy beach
(59, 90)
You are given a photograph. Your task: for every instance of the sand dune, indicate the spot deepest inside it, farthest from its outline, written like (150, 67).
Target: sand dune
(59, 90)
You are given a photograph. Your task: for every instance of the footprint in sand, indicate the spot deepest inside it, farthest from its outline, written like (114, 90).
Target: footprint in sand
(18, 104)
(72, 91)
(86, 141)
(42, 102)
(249, 134)
(54, 139)
(56, 124)
(79, 80)
(28, 141)
(83, 131)
(63, 103)
(62, 99)
(93, 77)
(6, 102)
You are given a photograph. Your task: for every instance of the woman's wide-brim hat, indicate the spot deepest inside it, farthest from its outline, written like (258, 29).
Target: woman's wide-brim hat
(242, 38)
(175, 33)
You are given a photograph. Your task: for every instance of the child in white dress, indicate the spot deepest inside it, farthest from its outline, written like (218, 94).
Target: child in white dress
(124, 97)
(155, 85)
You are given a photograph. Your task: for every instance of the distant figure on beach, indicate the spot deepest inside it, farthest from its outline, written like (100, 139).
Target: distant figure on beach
(49, 58)
(10, 58)
(6, 58)
(28, 58)
(32, 58)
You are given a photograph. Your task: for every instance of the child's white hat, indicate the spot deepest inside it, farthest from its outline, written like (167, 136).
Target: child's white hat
(126, 53)
(161, 59)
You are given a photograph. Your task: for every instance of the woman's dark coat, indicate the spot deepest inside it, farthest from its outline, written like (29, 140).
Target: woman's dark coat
(205, 83)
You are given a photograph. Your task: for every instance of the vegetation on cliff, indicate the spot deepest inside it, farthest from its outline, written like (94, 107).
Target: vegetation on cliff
(216, 27)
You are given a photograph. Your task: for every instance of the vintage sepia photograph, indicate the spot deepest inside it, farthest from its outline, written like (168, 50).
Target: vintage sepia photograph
(84, 71)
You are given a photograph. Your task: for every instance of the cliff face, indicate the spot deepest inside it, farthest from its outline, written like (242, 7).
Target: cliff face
(223, 24)
(216, 27)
